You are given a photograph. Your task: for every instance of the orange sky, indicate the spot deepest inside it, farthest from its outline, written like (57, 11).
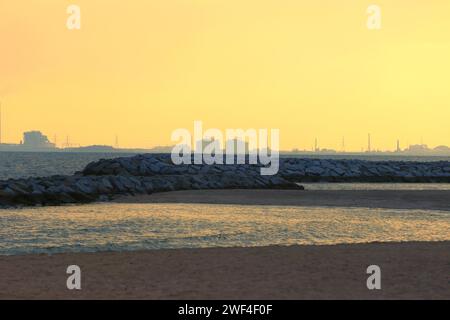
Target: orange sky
(143, 68)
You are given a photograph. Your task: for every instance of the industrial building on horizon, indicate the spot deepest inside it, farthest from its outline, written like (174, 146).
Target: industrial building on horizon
(36, 141)
(32, 141)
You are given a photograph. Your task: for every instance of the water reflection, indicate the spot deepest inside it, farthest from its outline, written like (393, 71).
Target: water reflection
(101, 227)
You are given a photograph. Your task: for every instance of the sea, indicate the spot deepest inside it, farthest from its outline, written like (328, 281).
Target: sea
(123, 227)
(34, 164)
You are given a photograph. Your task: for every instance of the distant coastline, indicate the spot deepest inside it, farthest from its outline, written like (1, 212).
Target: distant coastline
(167, 149)
(36, 141)
(89, 149)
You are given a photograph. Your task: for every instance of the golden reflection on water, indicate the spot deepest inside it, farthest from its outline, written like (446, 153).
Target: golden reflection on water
(155, 226)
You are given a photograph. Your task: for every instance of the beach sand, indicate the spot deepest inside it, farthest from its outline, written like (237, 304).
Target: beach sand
(397, 199)
(408, 271)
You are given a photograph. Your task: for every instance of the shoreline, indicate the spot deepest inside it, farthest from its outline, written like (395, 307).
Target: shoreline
(386, 199)
(410, 270)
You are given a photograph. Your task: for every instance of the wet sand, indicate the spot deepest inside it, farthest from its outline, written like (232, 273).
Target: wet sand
(408, 271)
(402, 199)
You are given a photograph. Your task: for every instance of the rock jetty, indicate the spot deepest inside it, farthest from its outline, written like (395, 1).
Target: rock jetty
(106, 179)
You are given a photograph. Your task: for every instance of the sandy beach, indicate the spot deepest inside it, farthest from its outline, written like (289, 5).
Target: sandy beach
(397, 199)
(409, 271)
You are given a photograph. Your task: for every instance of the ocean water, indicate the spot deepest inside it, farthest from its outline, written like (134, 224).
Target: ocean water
(33, 164)
(118, 227)
(375, 186)
(41, 164)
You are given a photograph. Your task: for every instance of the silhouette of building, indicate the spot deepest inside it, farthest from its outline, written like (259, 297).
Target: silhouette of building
(418, 149)
(442, 149)
(36, 140)
(238, 146)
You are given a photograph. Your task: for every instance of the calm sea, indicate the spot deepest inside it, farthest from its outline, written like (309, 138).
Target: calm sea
(119, 227)
(39, 164)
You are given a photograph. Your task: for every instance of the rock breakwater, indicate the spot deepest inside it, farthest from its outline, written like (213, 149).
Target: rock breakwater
(145, 174)
(142, 174)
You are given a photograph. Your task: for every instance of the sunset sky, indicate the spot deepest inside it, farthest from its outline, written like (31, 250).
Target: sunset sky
(143, 68)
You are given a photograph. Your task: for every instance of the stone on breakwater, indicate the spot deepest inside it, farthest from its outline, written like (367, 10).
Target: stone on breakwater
(148, 173)
(137, 175)
(291, 169)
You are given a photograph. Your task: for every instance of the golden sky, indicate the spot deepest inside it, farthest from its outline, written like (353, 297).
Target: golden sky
(143, 68)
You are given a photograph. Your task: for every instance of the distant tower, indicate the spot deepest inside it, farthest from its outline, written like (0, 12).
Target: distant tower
(315, 145)
(55, 140)
(116, 144)
(343, 144)
(398, 146)
(368, 144)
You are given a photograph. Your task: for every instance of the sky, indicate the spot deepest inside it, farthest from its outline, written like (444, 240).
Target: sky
(312, 69)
